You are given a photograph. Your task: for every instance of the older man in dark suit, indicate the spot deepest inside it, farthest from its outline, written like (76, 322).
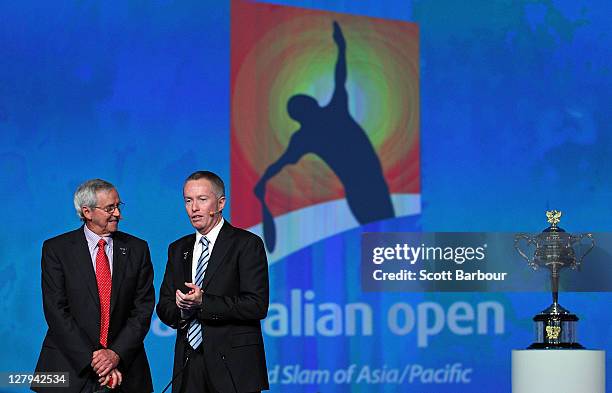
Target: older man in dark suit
(98, 297)
(215, 292)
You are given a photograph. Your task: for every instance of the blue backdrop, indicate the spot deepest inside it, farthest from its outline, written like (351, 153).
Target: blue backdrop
(515, 119)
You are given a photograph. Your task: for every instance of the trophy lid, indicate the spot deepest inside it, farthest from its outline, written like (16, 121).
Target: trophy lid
(553, 217)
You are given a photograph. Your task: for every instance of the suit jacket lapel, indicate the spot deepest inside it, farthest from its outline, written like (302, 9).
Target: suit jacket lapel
(121, 254)
(222, 245)
(84, 264)
(187, 262)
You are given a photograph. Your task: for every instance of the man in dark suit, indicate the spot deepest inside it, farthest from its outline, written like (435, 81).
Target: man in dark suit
(98, 297)
(215, 292)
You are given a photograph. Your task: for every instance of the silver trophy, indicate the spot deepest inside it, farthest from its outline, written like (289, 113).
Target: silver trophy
(554, 249)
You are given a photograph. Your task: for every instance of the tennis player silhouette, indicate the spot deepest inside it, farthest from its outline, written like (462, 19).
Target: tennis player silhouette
(331, 133)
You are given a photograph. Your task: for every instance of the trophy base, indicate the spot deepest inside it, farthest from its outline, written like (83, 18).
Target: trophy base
(555, 328)
(555, 346)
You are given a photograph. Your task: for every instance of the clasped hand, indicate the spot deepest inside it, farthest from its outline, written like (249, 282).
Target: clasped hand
(191, 300)
(104, 363)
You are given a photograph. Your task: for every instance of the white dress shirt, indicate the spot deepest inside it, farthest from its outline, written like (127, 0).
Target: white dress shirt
(197, 248)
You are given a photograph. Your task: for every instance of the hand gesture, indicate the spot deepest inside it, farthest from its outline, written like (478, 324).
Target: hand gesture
(112, 379)
(191, 300)
(103, 361)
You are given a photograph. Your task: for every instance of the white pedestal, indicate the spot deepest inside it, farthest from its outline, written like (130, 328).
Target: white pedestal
(558, 371)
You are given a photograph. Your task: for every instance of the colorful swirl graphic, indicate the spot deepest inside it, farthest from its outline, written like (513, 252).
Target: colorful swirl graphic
(278, 52)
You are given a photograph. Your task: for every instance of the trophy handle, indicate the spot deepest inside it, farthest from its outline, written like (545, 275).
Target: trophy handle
(579, 240)
(529, 240)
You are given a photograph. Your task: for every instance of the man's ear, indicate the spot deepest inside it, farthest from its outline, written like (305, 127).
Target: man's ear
(87, 212)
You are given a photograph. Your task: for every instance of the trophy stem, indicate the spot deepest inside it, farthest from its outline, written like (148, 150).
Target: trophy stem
(554, 283)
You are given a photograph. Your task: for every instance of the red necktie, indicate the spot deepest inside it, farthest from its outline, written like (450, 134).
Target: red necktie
(103, 277)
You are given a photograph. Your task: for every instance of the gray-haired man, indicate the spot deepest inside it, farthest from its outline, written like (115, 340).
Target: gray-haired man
(98, 297)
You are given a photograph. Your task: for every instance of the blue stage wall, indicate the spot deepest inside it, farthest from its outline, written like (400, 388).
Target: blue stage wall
(515, 119)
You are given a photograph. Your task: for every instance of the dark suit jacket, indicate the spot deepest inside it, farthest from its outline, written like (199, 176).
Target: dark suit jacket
(235, 299)
(72, 309)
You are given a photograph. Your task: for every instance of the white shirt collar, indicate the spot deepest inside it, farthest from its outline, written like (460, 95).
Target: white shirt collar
(93, 238)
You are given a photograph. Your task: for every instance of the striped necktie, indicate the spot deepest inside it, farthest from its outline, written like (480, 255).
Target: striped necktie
(194, 335)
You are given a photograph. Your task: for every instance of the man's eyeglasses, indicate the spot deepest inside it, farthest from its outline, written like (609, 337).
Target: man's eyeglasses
(111, 209)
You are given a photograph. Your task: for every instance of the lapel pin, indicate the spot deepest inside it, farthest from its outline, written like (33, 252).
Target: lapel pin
(185, 255)
(123, 250)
